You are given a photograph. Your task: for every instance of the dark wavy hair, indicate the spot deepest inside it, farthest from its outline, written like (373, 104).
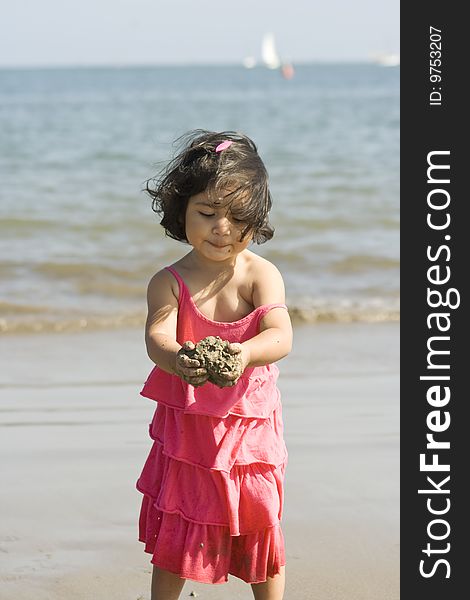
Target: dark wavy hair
(235, 173)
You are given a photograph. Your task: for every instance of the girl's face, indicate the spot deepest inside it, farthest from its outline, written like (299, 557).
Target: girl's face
(212, 230)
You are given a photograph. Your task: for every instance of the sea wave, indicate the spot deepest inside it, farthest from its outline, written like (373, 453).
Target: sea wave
(13, 324)
(21, 319)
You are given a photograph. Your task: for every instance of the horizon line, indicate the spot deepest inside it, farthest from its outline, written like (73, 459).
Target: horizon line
(117, 65)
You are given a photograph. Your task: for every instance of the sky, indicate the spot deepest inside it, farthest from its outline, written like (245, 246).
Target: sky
(126, 32)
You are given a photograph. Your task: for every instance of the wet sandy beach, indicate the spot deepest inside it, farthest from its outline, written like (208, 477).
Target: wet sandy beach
(74, 438)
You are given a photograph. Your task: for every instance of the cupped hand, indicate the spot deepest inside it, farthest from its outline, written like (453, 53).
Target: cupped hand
(189, 369)
(230, 378)
(239, 349)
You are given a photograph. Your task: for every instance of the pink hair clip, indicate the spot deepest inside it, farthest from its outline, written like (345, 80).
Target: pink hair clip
(223, 145)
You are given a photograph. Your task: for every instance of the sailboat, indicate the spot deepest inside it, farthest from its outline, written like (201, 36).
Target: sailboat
(269, 53)
(270, 58)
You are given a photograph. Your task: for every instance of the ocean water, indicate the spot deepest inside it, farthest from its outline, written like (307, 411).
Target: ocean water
(78, 238)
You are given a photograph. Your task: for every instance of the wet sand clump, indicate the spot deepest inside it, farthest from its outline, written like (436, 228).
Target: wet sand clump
(223, 366)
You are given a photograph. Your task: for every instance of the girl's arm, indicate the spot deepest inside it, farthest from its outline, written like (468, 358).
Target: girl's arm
(160, 331)
(275, 338)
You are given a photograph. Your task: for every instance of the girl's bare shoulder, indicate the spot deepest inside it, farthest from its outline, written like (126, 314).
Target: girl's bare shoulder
(259, 266)
(266, 280)
(162, 284)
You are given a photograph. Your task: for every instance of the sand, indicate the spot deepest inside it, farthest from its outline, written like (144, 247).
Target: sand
(74, 436)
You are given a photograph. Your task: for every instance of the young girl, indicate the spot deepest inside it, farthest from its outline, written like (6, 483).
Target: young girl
(213, 481)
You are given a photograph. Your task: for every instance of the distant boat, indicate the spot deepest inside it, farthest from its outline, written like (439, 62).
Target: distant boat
(387, 60)
(287, 70)
(269, 53)
(249, 62)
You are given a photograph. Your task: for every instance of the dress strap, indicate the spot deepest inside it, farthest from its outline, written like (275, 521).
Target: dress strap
(183, 290)
(265, 308)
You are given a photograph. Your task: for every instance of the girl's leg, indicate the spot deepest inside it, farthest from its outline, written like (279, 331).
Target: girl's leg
(272, 589)
(166, 585)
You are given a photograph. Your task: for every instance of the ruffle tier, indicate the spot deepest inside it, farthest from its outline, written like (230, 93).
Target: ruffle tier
(216, 443)
(247, 499)
(255, 395)
(213, 496)
(208, 553)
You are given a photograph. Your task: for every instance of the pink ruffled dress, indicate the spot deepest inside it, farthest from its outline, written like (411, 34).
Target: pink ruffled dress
(213, 481)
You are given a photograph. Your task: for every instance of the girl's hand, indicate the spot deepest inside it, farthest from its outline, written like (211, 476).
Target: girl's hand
(189, 369)
(239, 352)
(239, 349)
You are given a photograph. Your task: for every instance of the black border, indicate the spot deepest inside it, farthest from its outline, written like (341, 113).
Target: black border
(426, 128)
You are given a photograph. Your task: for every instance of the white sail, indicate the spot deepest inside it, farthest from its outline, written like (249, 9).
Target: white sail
(269, 52)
